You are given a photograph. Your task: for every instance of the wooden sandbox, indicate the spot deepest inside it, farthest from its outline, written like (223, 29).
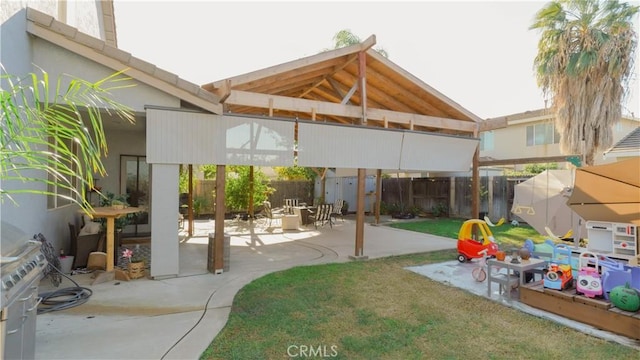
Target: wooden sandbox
(595, 312)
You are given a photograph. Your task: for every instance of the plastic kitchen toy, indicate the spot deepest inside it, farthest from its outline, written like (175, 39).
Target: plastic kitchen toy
(474, 237)
(558, 275)
(589, 282)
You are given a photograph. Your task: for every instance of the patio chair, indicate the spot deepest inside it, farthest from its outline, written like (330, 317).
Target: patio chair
(289, 204)
(337, 209)
(82, 245)
(322, 215)
(269, 213)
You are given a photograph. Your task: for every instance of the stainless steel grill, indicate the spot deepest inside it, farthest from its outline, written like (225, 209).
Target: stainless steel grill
(22, 265)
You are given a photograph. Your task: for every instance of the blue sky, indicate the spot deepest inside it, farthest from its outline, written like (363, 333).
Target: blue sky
(478, 53)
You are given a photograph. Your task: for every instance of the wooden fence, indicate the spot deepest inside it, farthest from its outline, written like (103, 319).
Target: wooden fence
(453, 195)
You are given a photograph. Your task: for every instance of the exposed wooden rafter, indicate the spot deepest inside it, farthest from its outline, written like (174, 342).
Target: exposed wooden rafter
(244, 98)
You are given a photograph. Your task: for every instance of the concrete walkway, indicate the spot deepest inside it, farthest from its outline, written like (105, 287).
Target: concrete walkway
(178, 318)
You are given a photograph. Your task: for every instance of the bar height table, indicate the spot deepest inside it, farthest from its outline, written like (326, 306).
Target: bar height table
(111, 214)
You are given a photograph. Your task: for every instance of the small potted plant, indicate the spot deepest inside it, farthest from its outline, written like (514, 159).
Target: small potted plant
(135, 268)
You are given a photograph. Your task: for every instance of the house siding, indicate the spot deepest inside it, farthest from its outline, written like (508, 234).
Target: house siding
(21, 54)
(511, 142)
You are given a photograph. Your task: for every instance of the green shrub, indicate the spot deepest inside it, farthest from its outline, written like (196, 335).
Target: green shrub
(440, 209)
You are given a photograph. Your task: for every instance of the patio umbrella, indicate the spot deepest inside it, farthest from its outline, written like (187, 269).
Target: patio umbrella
(609, 192)
(541, 201)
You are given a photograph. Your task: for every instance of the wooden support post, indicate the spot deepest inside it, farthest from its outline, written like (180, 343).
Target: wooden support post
(359, 250)
(362, 173)
(250, 210)
(490, 196)
(475, 183)
(190, 201)
(362, 82)
(216, 262)
(323, 185)
(378, 194)
(452, 196)
(270, 107)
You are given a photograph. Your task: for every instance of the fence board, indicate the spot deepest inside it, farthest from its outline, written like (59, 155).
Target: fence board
(422, 193)
(425, 193)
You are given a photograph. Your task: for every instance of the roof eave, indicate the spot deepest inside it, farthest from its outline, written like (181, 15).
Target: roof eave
(47, 28)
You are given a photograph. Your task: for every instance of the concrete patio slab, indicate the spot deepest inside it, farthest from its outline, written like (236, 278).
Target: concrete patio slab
(177, 318)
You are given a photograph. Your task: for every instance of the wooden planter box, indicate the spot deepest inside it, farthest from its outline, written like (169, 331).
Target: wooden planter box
(598, 313)
(136, 270)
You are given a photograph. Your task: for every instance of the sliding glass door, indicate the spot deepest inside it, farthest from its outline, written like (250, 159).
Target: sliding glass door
(135, 181)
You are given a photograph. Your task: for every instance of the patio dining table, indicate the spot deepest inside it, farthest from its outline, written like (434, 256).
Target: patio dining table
(303, 214)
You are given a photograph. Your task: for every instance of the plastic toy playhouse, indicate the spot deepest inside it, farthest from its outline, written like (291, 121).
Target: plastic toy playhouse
(475, 236)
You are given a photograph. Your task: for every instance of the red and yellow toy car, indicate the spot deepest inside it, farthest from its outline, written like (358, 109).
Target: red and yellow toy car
(473, 237)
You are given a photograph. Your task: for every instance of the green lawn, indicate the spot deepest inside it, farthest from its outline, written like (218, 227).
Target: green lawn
(377, 309)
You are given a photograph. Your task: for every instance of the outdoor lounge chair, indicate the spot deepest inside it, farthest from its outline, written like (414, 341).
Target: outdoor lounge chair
(269, 213)
(337, 209)
(289, 204)
(322, 215)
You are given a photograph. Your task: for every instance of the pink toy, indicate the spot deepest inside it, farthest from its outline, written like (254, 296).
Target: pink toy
(589, 282)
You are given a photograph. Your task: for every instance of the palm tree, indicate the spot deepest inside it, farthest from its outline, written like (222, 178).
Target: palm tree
(344, 38)
(57, 132)
(583, 65)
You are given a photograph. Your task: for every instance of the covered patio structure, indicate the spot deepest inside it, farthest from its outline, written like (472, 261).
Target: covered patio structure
(345, 108)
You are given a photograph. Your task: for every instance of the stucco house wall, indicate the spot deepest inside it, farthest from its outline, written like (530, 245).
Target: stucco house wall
(17, 57)
(21, 54)
(511, 142)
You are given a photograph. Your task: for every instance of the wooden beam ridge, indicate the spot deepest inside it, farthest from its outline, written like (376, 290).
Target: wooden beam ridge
(492, 124)
(244, 98)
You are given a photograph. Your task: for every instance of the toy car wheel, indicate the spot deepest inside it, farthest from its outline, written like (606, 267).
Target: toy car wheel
(479, 274)
(462, 258)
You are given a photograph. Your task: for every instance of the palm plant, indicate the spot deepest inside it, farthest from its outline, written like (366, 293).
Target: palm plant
(345, 37)
(56, 131)
(583, 65)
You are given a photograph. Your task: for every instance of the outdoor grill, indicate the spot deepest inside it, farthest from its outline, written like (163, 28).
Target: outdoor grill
(21, 267)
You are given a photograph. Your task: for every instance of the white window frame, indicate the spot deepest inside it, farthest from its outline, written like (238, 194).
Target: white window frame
(535, 130)
(55, 201)
(487, 140)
